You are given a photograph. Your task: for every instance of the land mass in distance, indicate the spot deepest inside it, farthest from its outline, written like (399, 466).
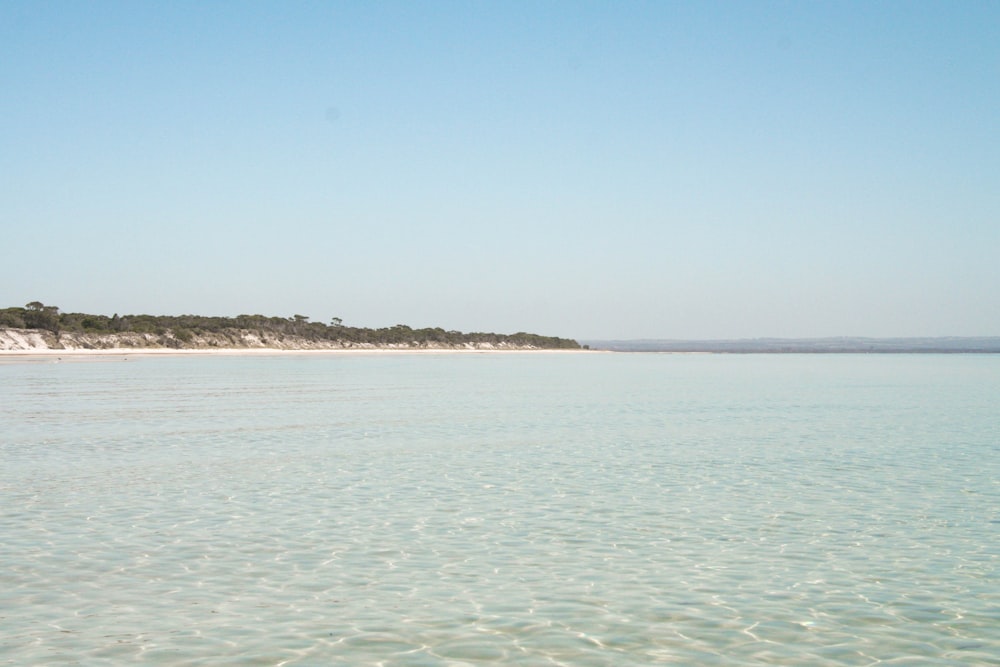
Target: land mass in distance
(40, 327)
(806, 345)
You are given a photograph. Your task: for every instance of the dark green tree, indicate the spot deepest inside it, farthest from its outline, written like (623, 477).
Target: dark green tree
(39, 316)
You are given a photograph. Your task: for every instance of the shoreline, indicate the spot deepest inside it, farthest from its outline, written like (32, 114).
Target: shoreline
(109, 354)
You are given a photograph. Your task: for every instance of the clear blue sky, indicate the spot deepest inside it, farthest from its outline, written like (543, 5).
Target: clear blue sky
(591, 170)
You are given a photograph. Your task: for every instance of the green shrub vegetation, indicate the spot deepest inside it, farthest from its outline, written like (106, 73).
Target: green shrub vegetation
(184, 328)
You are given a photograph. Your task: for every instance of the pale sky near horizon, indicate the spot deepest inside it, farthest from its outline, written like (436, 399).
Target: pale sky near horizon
(594, 170)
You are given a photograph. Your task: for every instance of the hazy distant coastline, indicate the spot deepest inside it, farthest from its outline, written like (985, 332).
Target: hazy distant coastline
(841, 345)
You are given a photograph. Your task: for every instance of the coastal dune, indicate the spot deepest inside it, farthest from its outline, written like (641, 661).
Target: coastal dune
(37, 327)
(18, 342)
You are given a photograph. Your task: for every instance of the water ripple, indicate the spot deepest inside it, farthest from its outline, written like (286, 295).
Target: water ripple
(542, 511)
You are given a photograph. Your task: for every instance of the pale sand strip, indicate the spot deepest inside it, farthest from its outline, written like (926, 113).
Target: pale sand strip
(112, 354)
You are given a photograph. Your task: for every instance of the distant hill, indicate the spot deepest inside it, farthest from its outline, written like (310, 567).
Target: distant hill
(37, 326)
(806, 345)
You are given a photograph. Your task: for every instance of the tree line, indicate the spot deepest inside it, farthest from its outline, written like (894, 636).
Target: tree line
(36, 315)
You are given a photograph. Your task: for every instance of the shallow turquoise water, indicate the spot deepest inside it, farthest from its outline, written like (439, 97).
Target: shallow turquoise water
(606, 509)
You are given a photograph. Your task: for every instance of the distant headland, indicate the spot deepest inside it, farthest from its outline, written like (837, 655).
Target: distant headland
(843, 345)
(38, 327)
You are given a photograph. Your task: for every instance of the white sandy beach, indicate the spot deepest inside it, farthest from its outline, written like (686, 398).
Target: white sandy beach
(114, 354)
(33, 345)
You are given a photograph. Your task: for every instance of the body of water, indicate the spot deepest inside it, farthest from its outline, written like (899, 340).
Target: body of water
(529, 509)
